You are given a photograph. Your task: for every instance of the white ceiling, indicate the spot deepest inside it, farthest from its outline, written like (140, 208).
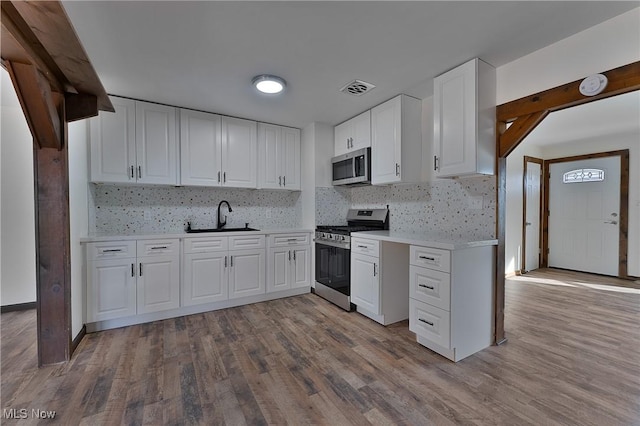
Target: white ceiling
(611, 116)
(203, 55)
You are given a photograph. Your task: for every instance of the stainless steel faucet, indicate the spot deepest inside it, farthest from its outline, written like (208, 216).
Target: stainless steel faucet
(221, 224)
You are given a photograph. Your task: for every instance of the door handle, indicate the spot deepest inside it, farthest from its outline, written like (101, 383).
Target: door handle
(280, 180)
(140, 269)
(225, 261)
(528, 223)
(133, 270)
(289, 255)
(284, 181)
(232, 261)
(374, 270)
(131, 172)
(612, 222)
(294, 255)
(218, 177)
(139, 172)
(224, 177)
(435, 162)
(397, 169)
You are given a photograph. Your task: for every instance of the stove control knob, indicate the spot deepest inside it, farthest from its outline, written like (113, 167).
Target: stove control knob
(343, 238)
(323, 235)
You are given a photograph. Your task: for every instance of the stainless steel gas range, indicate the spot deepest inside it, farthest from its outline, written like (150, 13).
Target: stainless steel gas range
(333, 253)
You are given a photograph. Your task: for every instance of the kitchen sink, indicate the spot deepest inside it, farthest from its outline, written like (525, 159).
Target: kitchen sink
(193, 231)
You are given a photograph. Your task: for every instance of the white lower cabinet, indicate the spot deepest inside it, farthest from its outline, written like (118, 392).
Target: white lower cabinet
(122, 284)
(288, 262)
(204, 278)
(246, 273)
(451, 299)
(379, 280)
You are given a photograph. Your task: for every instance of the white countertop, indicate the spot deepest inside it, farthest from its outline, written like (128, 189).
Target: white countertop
(104, 238)
(425, 240)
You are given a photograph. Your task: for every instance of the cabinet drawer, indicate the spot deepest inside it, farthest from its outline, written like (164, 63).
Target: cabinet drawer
(246, 242)
(280, 240)
(363, 246)
(429, 286)
(158, 247)
(430, 322)
(203, 245)
(431, 258)
(111, 250)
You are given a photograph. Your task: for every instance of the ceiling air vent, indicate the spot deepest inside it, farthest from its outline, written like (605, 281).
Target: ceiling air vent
(357, 88)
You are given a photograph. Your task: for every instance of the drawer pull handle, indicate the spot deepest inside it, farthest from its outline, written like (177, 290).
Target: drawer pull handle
(365, 247)
(425, 286)
(425, 321)
(140, 269)
(428, 258)
(159, 248)
(112, 251)
(292, 239)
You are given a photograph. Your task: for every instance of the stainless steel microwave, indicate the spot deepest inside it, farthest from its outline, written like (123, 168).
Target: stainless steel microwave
(352, 168)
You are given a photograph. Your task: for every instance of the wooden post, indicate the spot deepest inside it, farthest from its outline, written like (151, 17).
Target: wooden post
(53, 275)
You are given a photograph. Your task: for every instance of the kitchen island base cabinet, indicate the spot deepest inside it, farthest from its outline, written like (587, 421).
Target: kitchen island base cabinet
(451, 305)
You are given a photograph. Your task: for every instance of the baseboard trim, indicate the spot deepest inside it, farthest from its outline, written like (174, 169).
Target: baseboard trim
(18, 307)
(78, 339)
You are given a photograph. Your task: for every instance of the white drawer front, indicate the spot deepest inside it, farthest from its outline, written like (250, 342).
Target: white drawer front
(280, 240)
(429, 286)
(158, 247)
(205, 244)
(364, 246)
(431, 258)
(111, 250)
(246, 242)
(430, 322)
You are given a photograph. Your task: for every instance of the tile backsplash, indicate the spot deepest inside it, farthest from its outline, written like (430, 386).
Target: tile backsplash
(441, 207)
(124, 210)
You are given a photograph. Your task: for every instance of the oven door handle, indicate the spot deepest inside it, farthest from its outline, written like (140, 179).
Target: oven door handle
(346, 246)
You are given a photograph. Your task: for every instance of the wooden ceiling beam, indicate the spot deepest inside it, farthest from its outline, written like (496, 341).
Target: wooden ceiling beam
(80, 106)
(37, 101)
(620, 80)
(519, 130)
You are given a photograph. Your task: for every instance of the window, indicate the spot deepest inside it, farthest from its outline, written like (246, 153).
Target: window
(583, 175)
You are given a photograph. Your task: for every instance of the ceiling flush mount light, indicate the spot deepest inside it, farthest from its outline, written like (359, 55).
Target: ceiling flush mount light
(269, 84)
(593, 84)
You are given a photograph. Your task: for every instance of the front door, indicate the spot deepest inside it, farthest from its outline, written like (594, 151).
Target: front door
(584, 215)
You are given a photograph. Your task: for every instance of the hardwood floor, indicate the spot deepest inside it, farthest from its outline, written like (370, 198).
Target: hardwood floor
(573, 357)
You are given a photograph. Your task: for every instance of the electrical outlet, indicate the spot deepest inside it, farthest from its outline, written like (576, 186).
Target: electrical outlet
(475, 202)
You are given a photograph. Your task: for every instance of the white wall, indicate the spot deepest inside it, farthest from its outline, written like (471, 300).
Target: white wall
(78, 217)
(324, 143)
(18, 218)
(609, 45)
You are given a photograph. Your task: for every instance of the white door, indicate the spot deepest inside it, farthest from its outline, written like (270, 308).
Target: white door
(278, 272)
(205, 278)
(532, 217)
(290, 158)
(270, 156)
(365, 282)
(246, 273)
(156, 144)
(341, 138)
(200, 149)
(361, 131)
(584, 215)
(113, 143)
(239, 153)
(300, 267)
(111, 292)
(386, 121)
(158, 283)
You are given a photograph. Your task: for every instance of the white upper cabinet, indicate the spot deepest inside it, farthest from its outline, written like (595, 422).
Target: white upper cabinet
(113, 143)
(200, 148)
(156, 143)
(239, 153)
(464, 101)
(278, 157)
(137, 143)
(353, 134)
(396, 141)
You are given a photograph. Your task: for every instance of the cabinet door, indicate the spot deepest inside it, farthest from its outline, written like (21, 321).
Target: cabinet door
(239, 153)
(278, 269)
(342, 138)
(361, 131)
(386, 121)
(111, 290)
(301, 267)
(158, 283)
(291, 158)
(205, 278)
(156, 144)
(246, 273)
(200, 149)
(113, 143)
(454, 126)
(365, 282)
(270, 156)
